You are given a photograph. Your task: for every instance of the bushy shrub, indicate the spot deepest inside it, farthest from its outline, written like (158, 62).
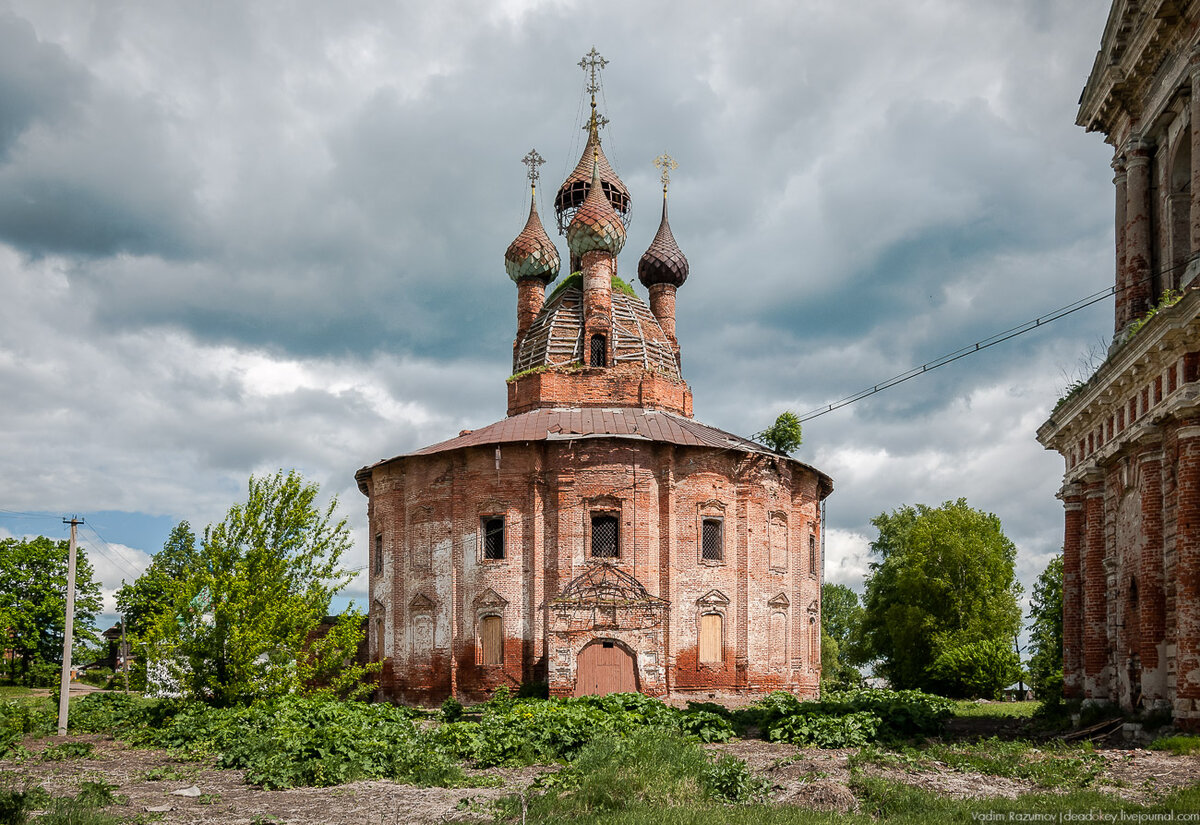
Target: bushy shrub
(851, 718)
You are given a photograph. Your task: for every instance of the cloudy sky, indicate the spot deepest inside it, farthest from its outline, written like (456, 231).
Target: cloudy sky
(242, 236)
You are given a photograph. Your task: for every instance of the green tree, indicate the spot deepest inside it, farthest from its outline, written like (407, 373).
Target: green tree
(1046, 632)
(944, 579)
(841, 616)
(33, 603)
(260, 582)
(784, 436)
(142, 601)
(328, 667)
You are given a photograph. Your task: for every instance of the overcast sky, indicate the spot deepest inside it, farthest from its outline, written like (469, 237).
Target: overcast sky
(243, 236)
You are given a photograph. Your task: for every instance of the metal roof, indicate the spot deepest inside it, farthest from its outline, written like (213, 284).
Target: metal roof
(635, 423)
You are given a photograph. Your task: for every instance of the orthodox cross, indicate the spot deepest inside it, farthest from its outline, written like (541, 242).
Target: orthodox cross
(592, 63)
(533, 160)
(665, 164)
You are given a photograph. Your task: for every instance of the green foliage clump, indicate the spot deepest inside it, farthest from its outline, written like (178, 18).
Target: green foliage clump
(851, 718)
(981, 668)
(1169, 298)
(255, 588)
(944, 579)
(327, 667)
(33, 605)
(19, 718)
(841, 617)
(1047, 766)
(1046, 634)
(575, 281)
(785, 435)
(1178, 745)
(67, 750)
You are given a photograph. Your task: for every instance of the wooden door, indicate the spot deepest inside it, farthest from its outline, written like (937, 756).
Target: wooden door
(605, 667)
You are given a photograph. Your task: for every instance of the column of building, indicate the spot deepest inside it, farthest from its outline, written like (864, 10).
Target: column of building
(1194, 134)
(1095, 595)
(1120, 181)
(1152, 618)
(1072, 496)
(1137, 236)
(1187, 579)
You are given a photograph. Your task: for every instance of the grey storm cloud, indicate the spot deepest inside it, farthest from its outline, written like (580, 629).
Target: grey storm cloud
(233, 239)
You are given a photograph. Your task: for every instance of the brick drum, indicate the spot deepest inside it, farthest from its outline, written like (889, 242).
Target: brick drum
(1130, 435)
(599, 512)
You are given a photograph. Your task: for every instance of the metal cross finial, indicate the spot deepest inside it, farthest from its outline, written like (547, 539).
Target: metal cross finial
(665, 164)
(595, 123)
(533, 160)
(591, 63)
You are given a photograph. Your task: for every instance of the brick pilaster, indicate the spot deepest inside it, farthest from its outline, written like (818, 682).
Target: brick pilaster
(1152, 618)
(1138, 254)
(1072, 496)
(1187, 578)
(1119, 181)
(1095, 595)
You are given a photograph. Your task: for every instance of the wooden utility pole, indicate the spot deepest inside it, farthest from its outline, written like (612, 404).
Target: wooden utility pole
(64, 693)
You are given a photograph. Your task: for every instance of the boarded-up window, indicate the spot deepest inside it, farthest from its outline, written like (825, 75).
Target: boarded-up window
(421, 654)
(493, 537)
(712, 540)
(812, 555)
(491, 640)
(712, 638)
(778, 539)
(777, 641)
(422, 547)
(379, 640)
(379, 552)
(814, 642)
(604, 537)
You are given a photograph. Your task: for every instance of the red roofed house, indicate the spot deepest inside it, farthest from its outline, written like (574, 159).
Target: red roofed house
(599, 538)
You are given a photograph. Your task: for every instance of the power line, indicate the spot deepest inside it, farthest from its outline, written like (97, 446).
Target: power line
(979, 346)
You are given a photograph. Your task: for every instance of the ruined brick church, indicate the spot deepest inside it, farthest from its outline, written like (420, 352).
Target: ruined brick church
(598, 538)
(1130, 435)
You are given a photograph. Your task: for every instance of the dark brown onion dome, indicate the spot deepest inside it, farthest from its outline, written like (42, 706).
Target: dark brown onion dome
(663, 262)
(575, 188)
(596, 227)
(532, 254)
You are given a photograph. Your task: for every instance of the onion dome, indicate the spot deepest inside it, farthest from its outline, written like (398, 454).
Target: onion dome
(663, 262)
(532, 254)
(575, 188)
(596, 227)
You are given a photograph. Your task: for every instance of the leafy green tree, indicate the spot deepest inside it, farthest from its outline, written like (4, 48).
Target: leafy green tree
(153, 593)
(328, 666)
(260, 582)
(1046, 632)
(944, 579)
(33, 603)
(982, 668)
(841, 616)
(784, 436)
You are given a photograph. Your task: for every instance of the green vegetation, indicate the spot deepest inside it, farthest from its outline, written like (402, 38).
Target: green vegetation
(237, 615)
(1178, 745)
(575, 281)
(1046, 634)
(33, 599)
(573, 366)
(995, 710)
(1048, 766)
(784, 436)
(1169, 298)
(940, 610)
(841, 617)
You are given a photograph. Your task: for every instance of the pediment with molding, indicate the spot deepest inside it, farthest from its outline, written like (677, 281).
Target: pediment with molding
(422, 602)
(780, 601)
(713, 598)
(490, 598)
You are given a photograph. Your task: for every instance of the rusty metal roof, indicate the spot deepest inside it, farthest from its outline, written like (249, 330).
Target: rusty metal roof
(569, 424)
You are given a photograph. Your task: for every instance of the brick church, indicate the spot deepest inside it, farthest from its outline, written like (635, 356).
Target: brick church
(598, 538)
(1130, 435)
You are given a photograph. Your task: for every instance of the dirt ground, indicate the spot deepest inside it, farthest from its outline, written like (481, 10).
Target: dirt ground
(807, 777)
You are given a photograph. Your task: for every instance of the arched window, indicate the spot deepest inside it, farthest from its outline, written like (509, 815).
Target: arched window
(712, 638)
(598, 351)
(491, 640)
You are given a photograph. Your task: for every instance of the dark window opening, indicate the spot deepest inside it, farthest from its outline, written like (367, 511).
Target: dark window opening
(711, 546)
(379, 553)
(493, 537)
(607, 644)
(812, 555)
(599, 352)
(604, 537)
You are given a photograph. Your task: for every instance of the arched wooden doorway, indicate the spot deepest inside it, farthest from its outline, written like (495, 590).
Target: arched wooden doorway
(605, 666)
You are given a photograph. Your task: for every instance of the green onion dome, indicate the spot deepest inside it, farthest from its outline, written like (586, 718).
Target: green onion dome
(532, 254)
(596, 227)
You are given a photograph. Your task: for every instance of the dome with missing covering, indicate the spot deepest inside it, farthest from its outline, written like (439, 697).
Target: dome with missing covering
(555, 338)
(595, 227)
(532, 254)
(575, 188)
(663, 262)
